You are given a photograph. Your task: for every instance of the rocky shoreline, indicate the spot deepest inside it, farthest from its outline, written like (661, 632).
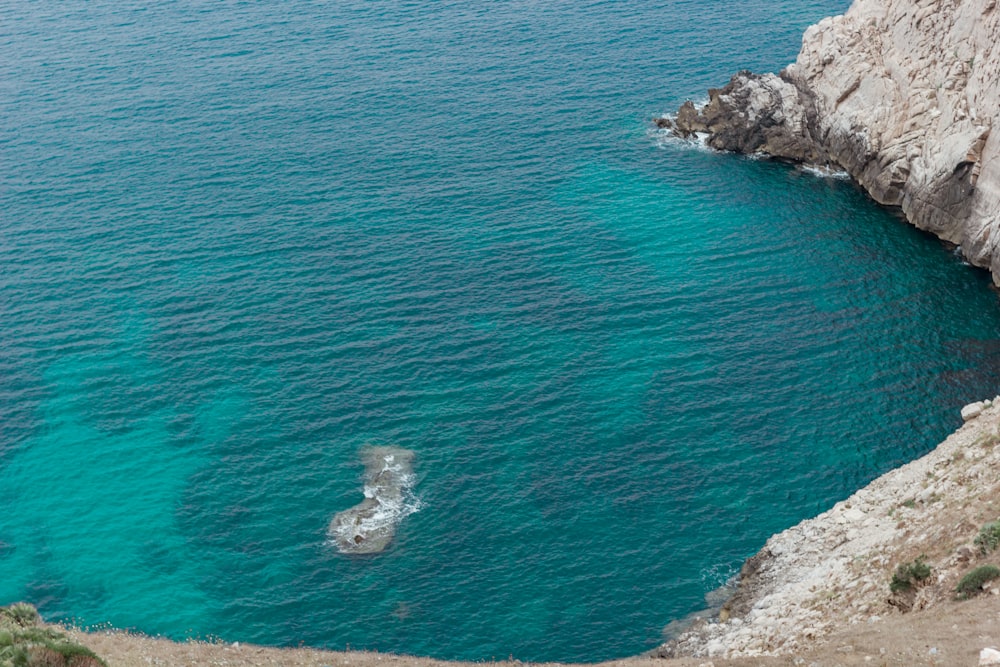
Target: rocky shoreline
(901, 95)
(835, 570)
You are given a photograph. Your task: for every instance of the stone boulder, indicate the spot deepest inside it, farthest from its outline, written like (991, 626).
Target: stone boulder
(973, 410)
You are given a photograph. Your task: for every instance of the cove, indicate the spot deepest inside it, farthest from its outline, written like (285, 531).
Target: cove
(241, 245)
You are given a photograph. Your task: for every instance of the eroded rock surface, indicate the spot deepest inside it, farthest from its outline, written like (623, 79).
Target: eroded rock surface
(370, 526)
(902, 95)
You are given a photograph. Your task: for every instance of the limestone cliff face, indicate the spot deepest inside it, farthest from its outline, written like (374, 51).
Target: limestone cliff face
(903, 95)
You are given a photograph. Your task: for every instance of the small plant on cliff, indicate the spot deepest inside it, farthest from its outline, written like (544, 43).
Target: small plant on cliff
(24, 642)
(909, 575)
(988, 538)
(988, 440)
(21, 613)
(972, 583)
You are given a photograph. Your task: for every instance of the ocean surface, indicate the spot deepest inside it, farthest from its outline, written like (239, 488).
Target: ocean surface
(240, 242)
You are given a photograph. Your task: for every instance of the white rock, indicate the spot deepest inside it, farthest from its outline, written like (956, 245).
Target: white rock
(911, 88)
(989, 656)
(972, 410)
(854, 515)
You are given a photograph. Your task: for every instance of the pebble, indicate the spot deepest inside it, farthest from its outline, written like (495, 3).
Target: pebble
(989, 656)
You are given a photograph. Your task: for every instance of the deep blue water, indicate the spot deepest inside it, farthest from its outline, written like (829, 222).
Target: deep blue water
(241, 241)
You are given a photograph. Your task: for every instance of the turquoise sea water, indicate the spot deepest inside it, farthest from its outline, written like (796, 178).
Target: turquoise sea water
(239, 242)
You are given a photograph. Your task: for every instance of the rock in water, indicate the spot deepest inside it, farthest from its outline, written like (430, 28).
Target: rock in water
(369, 526)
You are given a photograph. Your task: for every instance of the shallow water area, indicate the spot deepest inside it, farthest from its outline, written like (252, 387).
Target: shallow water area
(242, 243)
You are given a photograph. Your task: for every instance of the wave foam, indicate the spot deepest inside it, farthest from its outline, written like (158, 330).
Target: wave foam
(825, 171)
(370, 526)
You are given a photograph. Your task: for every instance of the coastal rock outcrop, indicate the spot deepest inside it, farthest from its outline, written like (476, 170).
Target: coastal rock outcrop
(841, 569)
(901, 94)
(370, 526)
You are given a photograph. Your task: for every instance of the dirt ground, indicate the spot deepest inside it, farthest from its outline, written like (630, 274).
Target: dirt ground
(947, 635)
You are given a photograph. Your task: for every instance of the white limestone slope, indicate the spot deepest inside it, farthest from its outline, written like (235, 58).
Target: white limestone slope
(906, 95)
(833, 572)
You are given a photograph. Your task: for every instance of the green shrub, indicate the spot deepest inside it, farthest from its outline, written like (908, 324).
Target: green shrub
(24, 642)
(988, 538)
(972, 583)
(21, 613)
(909, 575)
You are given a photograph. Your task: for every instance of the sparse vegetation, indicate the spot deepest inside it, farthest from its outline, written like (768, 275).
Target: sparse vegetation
(972, 583)
(25, 643)
(910, 575)
(20, 613)
(988, 440)
(988, 538)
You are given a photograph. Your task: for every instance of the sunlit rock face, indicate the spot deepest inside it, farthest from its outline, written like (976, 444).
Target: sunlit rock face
(902, 95)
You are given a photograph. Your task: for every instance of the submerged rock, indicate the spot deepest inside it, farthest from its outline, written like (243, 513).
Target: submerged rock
(370, 526)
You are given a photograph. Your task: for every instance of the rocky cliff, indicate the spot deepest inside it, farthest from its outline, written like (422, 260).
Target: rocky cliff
(921, 539)
(901, 94)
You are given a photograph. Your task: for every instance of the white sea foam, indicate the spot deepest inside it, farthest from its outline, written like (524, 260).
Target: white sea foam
(664, 137)
(720, 581)
(825, 171)
(389, 498)
(719, 576)
(960, 254)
